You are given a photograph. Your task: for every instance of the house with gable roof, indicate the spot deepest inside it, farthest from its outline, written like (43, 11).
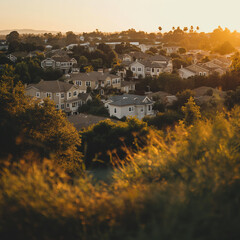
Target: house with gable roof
(95, 80)
(63, 63)
(66, 96)
(129, 105)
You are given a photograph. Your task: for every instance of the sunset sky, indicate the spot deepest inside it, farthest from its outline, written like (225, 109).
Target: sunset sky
(117, 15)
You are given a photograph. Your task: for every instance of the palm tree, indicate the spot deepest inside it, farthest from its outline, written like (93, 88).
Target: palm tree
(160, 28)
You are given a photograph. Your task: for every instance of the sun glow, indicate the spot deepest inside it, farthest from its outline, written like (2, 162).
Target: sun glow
(114, 15)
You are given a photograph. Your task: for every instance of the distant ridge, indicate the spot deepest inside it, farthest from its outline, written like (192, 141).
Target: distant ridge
(26, 31)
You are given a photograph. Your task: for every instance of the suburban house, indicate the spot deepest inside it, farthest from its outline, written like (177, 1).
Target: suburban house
(17, 55)
(153, 66)
(129, 105)
(128, 86)
(95, 80)
(171, 49)
(146, 47)
(63, 63)
(204, 69)
(194, 70)
(66, 96)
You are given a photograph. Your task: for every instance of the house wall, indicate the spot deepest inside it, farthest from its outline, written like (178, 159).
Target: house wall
(139, 111)
(184, 73)
(57, 98)
(135, 69)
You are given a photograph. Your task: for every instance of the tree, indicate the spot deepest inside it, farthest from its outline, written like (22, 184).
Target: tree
(21, 70)
(160, 28)
(71, 38)
(182, 98)
(83, 61)
(235, 65)
(182, 50)
(191, 112)
(107, 142)
(97, 63)
(12, 37)
(225, 48)
(27, 126)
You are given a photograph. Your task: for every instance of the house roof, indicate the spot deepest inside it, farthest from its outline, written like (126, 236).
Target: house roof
(193, 68)
(52, 86)
(84, 96)
(129, 99)
(158, 58)
(127, 83)
(148, 63)
(59, 58)
(91, 76)
(20, 54)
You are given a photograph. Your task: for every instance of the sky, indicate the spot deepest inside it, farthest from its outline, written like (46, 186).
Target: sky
(118, 15)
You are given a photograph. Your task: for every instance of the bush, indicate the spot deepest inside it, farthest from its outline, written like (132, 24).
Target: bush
(108, 143)
(163, 120)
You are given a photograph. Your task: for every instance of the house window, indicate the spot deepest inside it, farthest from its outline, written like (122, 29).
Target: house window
(114, 81)
(115, 110)
(200, 74)
(74, 104)
(108, 82)
(67, 105)
(78, 82)
(152, 69)
(118, 80)
(69, 94)
(57, 94)
(130, 109)
(149, 107)
(158, 70)
(148, 69)
(75, 93)
(62, 95)
(88, 84)
(133, 69)
(57, 106)
(62, 106)
(204, 74)
(139, 69)
(49, 95)
(141, 109)
(38, 94)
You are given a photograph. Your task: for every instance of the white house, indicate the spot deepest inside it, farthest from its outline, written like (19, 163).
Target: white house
(153, 66)
(138, 69)
(129, 105)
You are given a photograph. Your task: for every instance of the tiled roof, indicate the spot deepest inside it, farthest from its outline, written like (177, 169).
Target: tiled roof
(129, 99)
(52, 86)
(91, 76)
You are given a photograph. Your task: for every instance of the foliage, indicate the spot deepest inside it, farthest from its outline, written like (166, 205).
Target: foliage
(94, 107)
(225, 48)
(28, 126)
(163, 120)
(107, 143)
(182, 98)
(191, 112)
(185, 185)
